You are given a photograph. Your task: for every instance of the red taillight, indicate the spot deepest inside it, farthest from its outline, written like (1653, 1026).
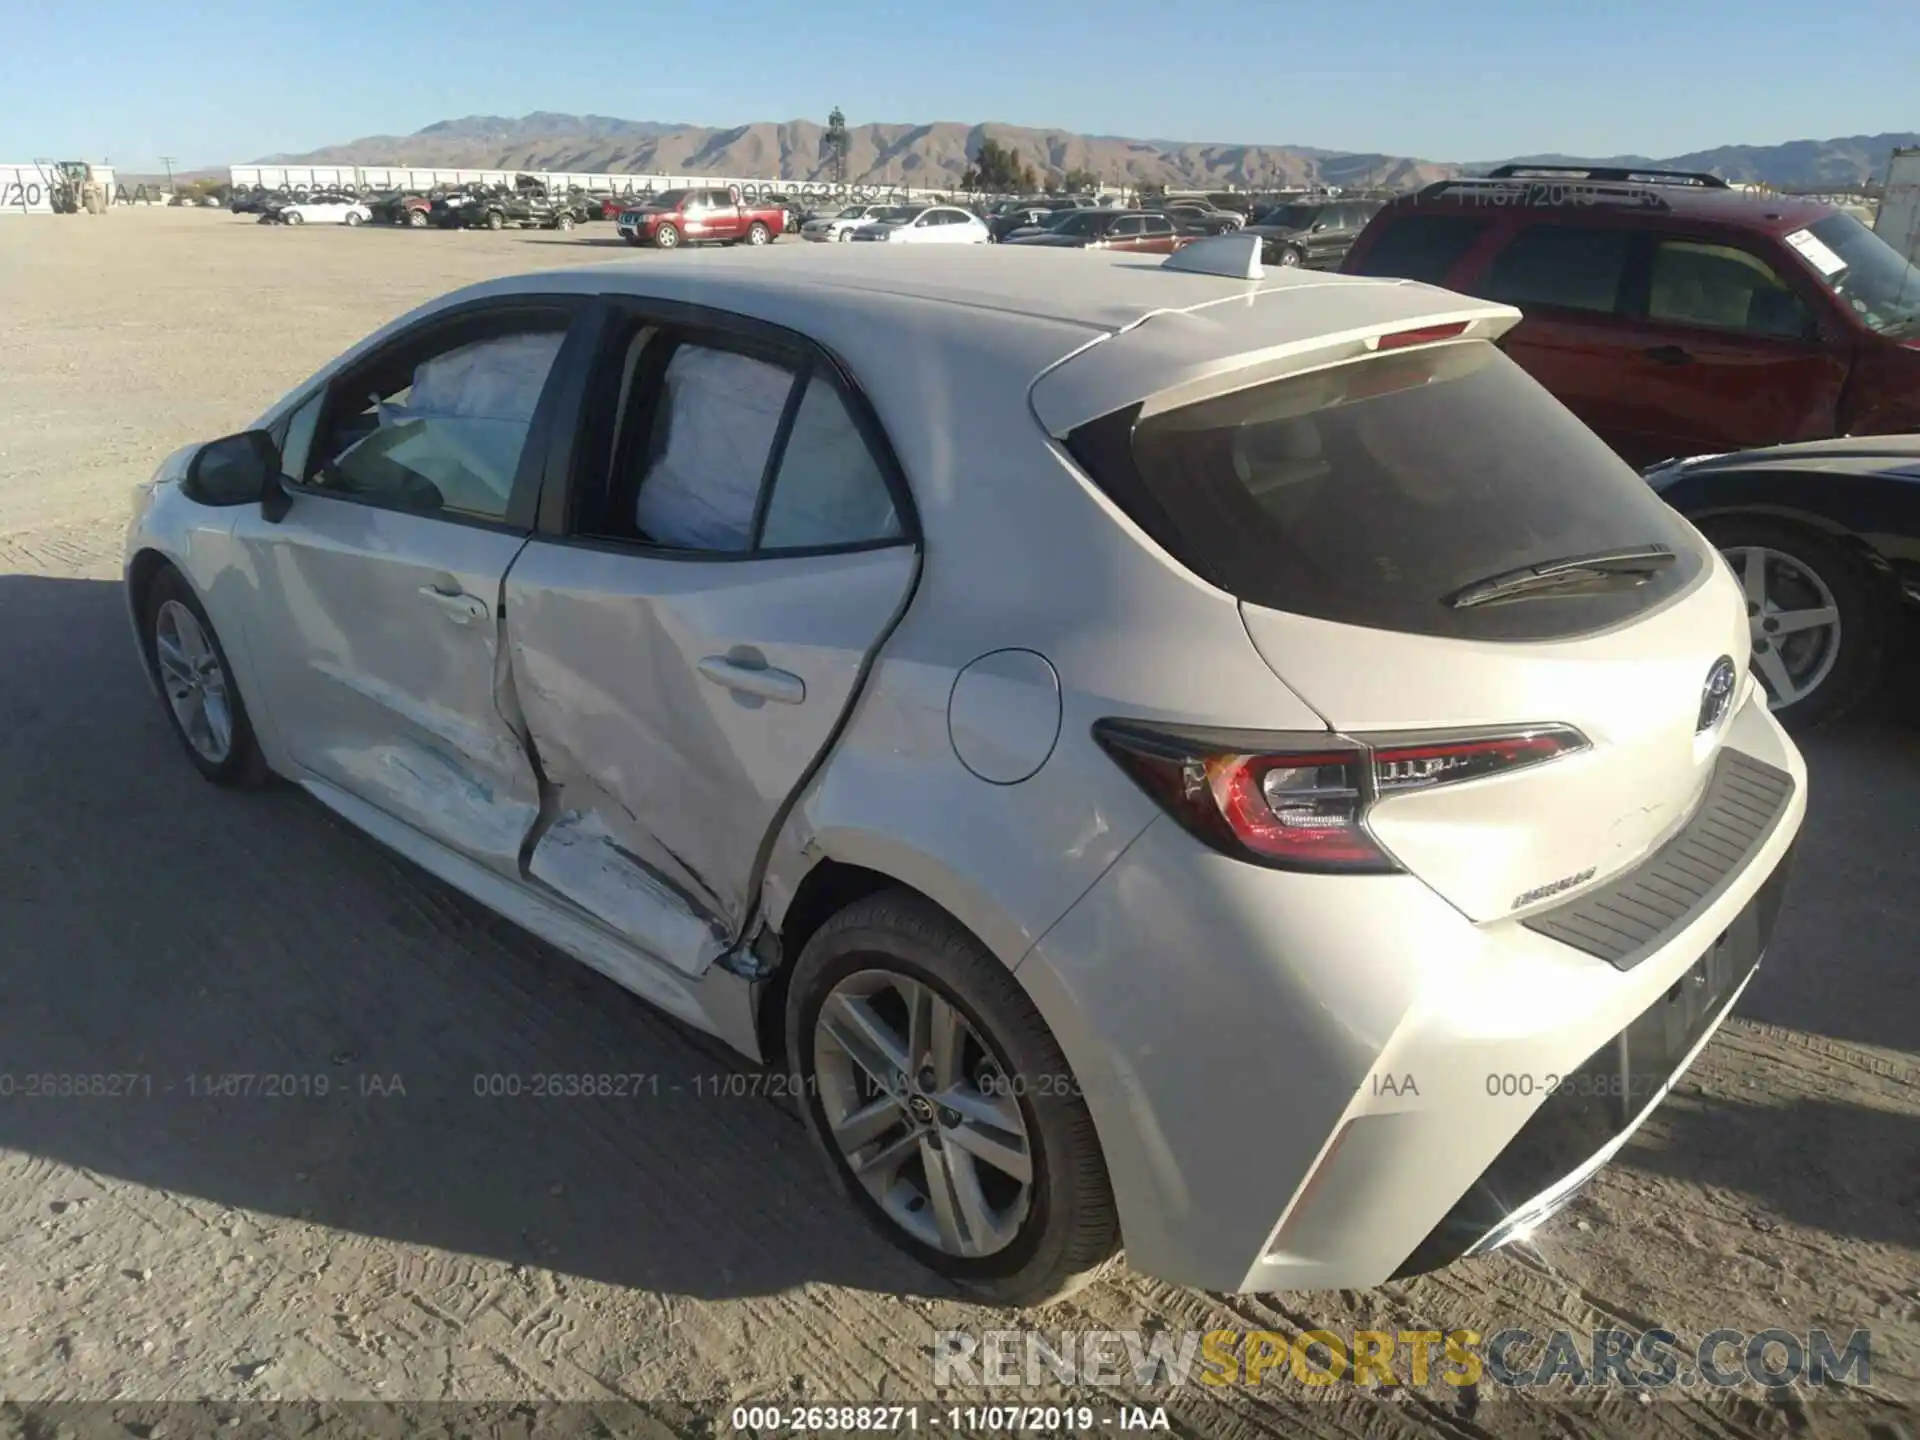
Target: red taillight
(1424, 335)
(1300, 802)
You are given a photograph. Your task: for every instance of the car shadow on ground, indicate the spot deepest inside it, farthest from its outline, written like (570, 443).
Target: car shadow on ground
(303, 1025)
(1817, 1162)
(401, 1040)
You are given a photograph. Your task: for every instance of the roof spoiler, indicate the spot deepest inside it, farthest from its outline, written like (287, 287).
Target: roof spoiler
(1700, 179)
(1236, 257)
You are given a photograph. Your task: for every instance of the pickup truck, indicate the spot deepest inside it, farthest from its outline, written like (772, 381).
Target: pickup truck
(700, 217)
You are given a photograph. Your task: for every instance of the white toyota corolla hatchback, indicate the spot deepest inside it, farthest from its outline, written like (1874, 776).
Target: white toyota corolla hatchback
(1160, 754)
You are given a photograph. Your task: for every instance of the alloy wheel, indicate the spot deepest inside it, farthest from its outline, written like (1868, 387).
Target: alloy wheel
(1794, 622)
(922, 1113)
(195, 682)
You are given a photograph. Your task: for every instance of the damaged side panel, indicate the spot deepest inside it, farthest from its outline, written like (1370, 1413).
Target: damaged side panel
(673, 707)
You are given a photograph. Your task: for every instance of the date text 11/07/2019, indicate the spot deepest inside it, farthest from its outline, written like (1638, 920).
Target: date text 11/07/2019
(199, 1085)
(955, 1419)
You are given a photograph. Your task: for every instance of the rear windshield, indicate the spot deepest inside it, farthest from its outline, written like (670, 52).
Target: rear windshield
(1368, 492)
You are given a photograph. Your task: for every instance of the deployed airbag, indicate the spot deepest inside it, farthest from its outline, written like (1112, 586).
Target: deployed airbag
(719, 416)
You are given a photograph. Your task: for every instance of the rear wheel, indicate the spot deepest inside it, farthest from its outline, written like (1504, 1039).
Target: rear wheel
(943, 1104)
(1818, 627)
(353, 217)
(196, 681)
(563, 222)
(293, 217)
(417, 219)
(758, 234)
(667, 237)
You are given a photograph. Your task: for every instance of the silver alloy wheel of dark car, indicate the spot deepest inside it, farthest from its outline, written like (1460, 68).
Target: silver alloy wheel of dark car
(917, 1105)
(1794, 621)
(1288, 256)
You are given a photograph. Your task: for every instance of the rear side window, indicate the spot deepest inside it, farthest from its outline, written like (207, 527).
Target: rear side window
(1567, 266)
(1422, 247)
(1367, 493)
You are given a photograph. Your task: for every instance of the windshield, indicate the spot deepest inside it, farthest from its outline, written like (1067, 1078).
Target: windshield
(1862, 269)
(1291, 217)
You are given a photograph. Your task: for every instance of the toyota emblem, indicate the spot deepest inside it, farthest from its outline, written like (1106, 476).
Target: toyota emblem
(1716, 696)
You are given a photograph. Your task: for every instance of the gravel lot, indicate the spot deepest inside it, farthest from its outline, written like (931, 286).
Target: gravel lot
(683, 1249)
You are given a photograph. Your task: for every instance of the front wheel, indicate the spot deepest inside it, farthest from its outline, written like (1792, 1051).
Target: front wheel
(1818, 627)
(667, 237)
(944, 1105)
(294, 217)
(353, 218)
(196, 681)
(565, 222)
(417, 219)
(758, 234)
(1289, 256)
(496, 221)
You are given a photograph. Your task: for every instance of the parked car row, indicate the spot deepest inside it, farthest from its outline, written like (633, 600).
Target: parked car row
(1680, 318)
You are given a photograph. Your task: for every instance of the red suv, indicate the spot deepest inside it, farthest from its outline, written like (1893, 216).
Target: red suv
(1673, 314)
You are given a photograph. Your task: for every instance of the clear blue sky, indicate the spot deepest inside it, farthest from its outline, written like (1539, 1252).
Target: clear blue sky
(215, 81)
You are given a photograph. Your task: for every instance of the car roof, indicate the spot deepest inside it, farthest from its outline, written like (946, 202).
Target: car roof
(1857, 454)
(1096, 291)
(1770, 214)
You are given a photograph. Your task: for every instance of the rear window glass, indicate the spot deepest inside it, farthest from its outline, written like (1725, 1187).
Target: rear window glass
(1421, 247)
(1368, 492)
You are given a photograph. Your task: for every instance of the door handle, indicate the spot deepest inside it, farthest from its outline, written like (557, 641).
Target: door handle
(780, 686)
(461, 608)
(1668, 355)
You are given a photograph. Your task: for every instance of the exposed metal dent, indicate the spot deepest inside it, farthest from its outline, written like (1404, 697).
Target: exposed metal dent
(582, 939)
(578, 858)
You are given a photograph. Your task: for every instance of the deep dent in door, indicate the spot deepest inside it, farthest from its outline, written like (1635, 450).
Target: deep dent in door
(567, 850)
(652, 746)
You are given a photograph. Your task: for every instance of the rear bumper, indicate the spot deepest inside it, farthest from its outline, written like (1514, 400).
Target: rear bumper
(1310, 1081)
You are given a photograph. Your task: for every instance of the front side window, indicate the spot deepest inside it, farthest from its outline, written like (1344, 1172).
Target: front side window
(443, 435)
(1570, 267)
(1723, 286)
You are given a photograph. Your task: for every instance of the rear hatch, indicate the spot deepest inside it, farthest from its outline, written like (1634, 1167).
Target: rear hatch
(1391, 524)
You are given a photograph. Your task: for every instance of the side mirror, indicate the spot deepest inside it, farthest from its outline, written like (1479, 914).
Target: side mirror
(234, 470)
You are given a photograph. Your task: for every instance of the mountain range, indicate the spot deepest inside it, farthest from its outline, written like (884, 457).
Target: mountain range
(936, 155)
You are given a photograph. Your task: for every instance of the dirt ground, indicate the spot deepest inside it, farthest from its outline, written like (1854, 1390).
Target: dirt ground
(402, 1238)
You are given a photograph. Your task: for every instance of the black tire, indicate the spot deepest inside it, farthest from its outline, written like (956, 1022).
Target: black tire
(293, 218)
(758, 234)
(244, 768)
(1290, 255)
(1072, 1229)
(416, 219)
(667, 237)
(495, 220)
(352, 219)
(1864, 610)
(563, 222)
